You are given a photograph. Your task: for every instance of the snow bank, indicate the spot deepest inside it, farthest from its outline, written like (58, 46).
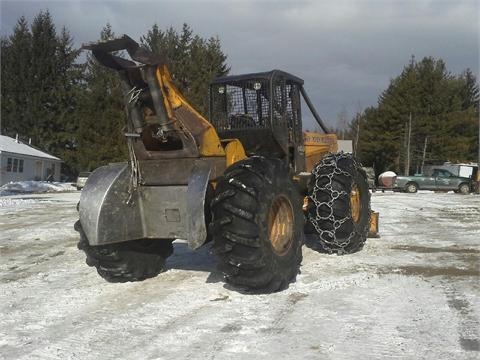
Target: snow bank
(9, 202)
(29, 187)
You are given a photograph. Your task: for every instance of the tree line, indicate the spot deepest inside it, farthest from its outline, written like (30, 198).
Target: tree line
(427, 115)
(72, 107)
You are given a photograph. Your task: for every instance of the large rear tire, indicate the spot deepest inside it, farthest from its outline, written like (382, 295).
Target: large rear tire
(134, 260)
(258, 225)
(338, 208)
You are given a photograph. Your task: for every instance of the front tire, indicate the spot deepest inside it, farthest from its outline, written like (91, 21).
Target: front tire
(338, 208)
(134, 260)
(258, 225)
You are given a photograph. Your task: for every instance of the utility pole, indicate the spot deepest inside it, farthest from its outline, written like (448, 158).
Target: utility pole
(404, 146)
(407, 164)
(424, 153)
(357, 135)
(478, 163)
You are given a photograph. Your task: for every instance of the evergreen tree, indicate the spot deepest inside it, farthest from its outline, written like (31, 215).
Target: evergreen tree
(101, 115)
(39, 82)
(469, 91)
(69, 87)
(43, 81)
(444, 112)
(15, 74)
(75, 111)
(193, 61)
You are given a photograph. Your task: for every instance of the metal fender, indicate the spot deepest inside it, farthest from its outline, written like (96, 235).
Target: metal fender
(155, 212)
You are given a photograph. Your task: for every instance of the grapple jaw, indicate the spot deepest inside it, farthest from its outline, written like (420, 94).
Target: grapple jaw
(103, 53)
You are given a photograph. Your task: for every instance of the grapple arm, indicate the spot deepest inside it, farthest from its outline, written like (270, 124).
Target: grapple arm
(155, 107)
(174, 154)
(102, 51)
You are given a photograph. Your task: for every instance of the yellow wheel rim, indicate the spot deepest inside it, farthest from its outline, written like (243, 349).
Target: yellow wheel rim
(280, 225)
(355, 203)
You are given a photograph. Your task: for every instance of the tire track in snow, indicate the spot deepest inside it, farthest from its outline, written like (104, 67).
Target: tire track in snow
(468, 330)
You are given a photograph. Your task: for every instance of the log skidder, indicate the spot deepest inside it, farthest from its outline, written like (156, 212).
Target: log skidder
(251, 150)
(257, 225)
(339, 204)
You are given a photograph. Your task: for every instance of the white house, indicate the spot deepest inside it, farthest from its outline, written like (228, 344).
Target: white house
(20, 162)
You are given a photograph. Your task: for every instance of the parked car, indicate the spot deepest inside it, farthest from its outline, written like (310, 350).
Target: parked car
(440, 180)
(82, 179)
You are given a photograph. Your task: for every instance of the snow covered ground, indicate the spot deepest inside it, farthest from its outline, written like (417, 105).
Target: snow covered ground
(411, 294)
(26, 187)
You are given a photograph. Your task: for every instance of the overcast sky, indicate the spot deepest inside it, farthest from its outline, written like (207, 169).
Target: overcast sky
(346, 51)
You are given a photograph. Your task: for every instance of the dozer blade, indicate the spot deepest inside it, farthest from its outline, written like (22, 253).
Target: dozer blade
(155, 212)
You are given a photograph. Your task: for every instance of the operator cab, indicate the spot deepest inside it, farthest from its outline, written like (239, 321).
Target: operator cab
(262, 110)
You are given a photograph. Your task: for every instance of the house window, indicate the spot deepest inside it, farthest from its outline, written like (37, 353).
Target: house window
(14, 165)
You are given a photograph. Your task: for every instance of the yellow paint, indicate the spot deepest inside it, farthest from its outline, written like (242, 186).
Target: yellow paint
(204, 133)
(209, 144)
(355, 203)
(234, 151)
(316, 146)
(373, 230)
(305, 204)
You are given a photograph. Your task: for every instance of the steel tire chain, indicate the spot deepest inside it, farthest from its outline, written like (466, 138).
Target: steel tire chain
(329, 236)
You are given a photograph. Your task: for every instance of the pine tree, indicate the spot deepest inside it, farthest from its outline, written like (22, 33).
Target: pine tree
(37, 83)
(43, 81)
(15, 74)
(68, 88)
(443, 108)
(193, 61)
(75, 111)
(101, 115)
(469, 90)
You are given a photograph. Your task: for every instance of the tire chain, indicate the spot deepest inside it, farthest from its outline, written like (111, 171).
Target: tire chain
(329, 236)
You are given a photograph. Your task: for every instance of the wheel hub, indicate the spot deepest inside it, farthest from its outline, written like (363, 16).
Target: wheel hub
(280, 225)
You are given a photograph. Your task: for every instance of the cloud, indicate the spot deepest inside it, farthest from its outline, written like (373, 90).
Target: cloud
(346, 51)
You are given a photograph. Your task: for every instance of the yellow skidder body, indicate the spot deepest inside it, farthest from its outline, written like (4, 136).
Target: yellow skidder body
(316, 146)
(203, 132)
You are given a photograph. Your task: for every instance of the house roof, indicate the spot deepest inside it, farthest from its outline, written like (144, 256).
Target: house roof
(13, 146)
